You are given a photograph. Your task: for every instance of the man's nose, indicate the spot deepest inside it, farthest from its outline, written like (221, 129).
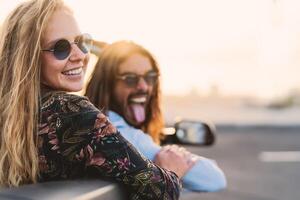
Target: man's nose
(142, 84)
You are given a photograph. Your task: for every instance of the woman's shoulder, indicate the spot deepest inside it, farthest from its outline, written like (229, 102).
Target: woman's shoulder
(66, 102)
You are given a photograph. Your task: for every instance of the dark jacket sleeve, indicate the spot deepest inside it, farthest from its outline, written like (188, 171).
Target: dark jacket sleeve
(88, 145)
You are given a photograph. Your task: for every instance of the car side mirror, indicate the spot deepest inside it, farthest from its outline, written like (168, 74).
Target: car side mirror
(194, 132)
(191, 133)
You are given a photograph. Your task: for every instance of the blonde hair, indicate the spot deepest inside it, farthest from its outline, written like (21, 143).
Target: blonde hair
(101, 84)
(20, 47)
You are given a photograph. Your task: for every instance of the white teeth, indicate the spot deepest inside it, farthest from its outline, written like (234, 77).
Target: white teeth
(138, 100)
(73, 71)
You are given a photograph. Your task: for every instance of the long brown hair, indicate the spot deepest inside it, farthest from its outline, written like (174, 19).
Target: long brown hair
(20, 47)
(102, 82)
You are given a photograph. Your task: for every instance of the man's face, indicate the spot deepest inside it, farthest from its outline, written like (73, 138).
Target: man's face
(131, 95)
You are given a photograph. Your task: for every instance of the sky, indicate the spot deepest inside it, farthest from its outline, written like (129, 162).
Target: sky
(241, 47)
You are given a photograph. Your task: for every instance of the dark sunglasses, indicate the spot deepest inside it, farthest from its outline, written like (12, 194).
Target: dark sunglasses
(62, 48)
(132, 80)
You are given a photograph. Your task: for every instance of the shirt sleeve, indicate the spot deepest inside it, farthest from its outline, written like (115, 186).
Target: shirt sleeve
(90, 144)
(204, 176)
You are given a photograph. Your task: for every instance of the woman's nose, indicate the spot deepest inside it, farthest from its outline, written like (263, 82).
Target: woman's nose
(76, 53)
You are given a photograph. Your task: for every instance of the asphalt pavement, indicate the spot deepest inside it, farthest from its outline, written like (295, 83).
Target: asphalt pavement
(239, 150)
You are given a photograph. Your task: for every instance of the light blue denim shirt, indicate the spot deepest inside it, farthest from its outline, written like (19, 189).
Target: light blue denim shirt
(204, 176)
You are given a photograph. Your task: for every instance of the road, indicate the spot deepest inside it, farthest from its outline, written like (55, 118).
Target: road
(238, 151)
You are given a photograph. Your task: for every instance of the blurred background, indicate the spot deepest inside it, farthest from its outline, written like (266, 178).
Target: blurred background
(234, 63)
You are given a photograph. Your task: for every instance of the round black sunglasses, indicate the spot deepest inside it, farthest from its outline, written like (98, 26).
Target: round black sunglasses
(132, 80)
(62, 48)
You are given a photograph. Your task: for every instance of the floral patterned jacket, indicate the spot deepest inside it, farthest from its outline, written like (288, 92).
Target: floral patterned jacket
(76, 140)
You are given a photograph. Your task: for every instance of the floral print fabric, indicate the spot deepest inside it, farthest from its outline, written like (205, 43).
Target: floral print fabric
(76, 140)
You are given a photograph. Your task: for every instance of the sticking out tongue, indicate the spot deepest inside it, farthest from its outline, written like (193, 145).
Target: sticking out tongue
(138, 112)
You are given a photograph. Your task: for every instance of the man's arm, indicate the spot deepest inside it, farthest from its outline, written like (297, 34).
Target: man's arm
(204, 175)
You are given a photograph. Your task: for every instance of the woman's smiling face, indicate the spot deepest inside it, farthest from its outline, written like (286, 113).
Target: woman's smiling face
(67, 74)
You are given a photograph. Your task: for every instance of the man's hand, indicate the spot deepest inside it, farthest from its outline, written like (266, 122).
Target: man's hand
(176, 159)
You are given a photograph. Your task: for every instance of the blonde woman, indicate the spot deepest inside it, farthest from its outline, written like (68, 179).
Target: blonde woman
(47, 134)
